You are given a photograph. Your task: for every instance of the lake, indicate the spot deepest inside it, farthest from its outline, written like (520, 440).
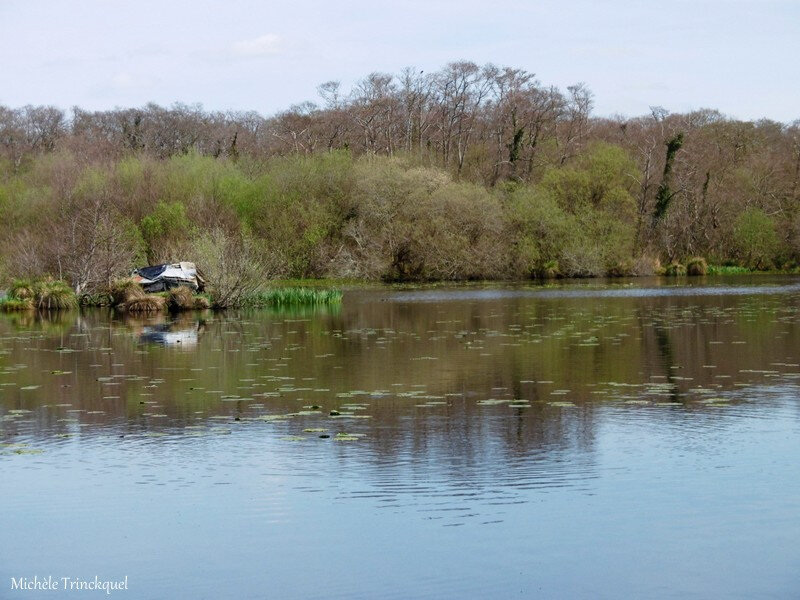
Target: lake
(632, 439)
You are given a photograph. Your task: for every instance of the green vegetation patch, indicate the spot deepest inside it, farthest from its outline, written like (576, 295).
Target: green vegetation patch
(292, 296)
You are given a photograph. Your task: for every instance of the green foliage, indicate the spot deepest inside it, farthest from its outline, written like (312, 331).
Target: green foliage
(300, 205)
(21, 289)
(93, 182)
(330, 214)
(201, 302)
(549, 270)
(581, 218)
(130, 172)
(728, 270)
(293, 296)
(415, 223)
(166, 224)
(189, 177)
(755, 239)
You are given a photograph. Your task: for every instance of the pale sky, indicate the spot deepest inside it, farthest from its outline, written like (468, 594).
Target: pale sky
(739, 56)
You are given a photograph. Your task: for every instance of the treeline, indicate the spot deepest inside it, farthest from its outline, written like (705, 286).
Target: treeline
(469, 172)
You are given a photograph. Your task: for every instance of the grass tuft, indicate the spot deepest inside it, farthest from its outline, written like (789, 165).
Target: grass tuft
(125, 290)
(44, 294)
(21, 289)
(697, 266)
(55, 295)
(201, 303)
(15, 305)
(151, 303)
(180, 298)
(674, 269)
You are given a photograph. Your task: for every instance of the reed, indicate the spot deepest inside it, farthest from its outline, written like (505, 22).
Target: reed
(728, 270)
(293, 296)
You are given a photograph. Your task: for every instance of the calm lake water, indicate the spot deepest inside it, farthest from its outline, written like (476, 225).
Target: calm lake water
(628, 440)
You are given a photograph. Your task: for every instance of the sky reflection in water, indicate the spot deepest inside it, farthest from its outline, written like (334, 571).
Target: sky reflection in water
(568, 442)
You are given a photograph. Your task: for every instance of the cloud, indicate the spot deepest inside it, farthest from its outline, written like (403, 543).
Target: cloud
(261, 46)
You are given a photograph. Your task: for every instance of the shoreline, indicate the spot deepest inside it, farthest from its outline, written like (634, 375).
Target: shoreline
(331, 289)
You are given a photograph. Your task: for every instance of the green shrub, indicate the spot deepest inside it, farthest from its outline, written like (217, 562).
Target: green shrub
(582, 217)
(45, 294)
(755, 239)
(166, 226)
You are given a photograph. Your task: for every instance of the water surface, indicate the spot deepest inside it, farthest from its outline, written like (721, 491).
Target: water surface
(573, 441)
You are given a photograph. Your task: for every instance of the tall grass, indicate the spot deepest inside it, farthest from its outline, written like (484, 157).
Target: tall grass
(293, 296)
(728, 270)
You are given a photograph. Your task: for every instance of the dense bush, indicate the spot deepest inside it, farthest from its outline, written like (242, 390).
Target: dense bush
(332, 214)
(580, 221)
(411, 223)
(463, 172)
(755, 240)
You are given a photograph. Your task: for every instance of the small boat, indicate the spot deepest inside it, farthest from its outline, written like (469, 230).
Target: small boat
(160, 278)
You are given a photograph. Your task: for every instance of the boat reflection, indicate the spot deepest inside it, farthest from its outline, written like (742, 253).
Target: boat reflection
(169, 334)
(182, 331)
